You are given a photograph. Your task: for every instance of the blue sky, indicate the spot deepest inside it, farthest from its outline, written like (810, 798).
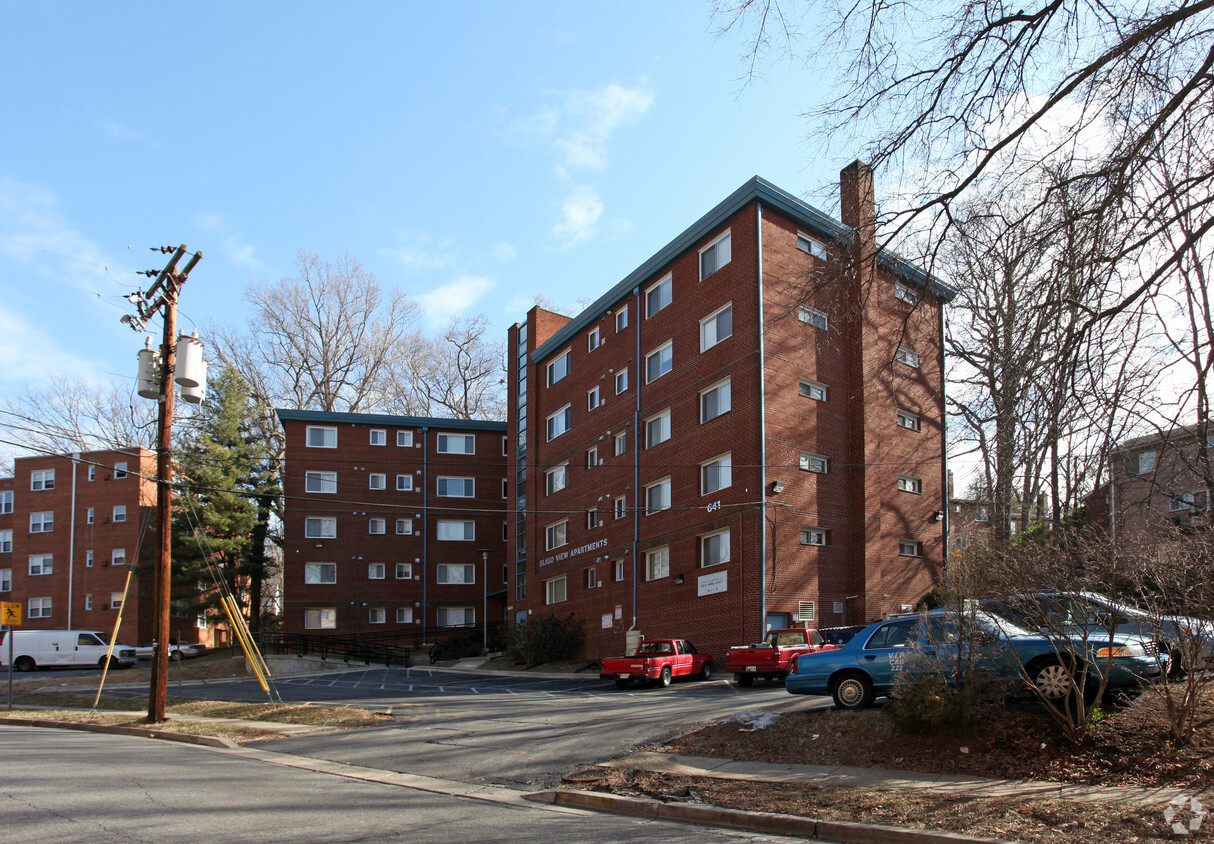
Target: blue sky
(475, 155)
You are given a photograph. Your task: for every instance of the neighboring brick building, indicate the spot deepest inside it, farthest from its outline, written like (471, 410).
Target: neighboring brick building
(385, 524)
(71, 527)
(746, 430)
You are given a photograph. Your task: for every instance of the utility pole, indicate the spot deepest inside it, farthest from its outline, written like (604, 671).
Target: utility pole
(161, 298)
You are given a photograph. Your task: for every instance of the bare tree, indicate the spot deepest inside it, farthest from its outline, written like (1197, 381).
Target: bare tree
(71, 416)
(459, 374)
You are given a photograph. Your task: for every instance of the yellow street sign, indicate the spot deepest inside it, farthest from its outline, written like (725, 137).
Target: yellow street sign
(10, 613)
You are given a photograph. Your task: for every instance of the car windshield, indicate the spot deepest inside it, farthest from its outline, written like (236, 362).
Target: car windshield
(104, 637)
(999, 624)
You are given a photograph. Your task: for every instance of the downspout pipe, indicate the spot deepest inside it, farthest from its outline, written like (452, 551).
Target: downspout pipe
(947, 522)
(425, 533)
(71, 542)
(636, 460)
(762, 432)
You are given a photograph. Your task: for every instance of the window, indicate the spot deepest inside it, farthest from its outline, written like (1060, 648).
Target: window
(318, 527)
(556, 535)
(714, 549)
(448, 573)
(376, 615)
(119, 471)
(659, 362)
(621, 444)
(1181, 502)
(320, 572)
(6, 542)
(320, 482)
(657, 497)
(456, 444)
(456, 487)
(714, 256)
(377, 480)
(6, 580)
(554, 590)
(907, 356)
(88, 559)
(88, 516)
(813, 536)
(620, 507)
(621, 381)
(505, 488)
(92, 473)
(908, 420)
(559, 422)
(321, 619)
(404, 439)
(404, 615)
(592, 518)
(716, 400)
(6, 501)
(592, 457)
(905, 294)
(981, 514)
(379, 436)
(118, 557)
(658, 296)
(404, 483)
(456, 530)
(657, 564)
(39, 608)
(619, 570)
(716, 327)
(808, 244)
(621, 318)
(592, 398)
(119, 514)
(42, 564)
(814, 463)
(716, 474)
(404, 571)
(42, 522)
(813, 390)
(593, 339)
(657, 429)
(590, 577)
(1140, 464)
(376, 571)
(556, 479)
(321, 437)
(377, 526)
(908, 548)
(44, 479)
(456, 616)
(908, 484)
(559, 368)
(404, 527)
(813, 317)
(88, 602)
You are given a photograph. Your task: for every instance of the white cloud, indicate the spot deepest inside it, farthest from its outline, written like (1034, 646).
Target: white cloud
(580, 214)
(31, 354)
(504, 253)
(591, 117)
(454, 298)
(419, 251)
(230, 245)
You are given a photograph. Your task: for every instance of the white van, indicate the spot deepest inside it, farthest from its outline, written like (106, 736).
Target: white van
(49, 648)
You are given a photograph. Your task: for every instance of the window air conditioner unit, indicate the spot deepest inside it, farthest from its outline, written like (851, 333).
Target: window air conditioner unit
(105, 562)
(105, 606)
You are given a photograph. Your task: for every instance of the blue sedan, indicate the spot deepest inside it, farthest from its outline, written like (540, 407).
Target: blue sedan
(913, 646)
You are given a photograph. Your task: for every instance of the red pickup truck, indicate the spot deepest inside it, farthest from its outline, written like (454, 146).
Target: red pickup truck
(659, 661)
(773, 657)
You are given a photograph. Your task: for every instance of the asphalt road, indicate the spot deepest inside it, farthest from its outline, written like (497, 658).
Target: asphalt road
(61, 786)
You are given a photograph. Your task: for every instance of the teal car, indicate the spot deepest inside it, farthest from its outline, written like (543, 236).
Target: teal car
(911, 647)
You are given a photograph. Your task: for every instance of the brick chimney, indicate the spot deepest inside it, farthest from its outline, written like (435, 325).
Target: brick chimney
(857, 206)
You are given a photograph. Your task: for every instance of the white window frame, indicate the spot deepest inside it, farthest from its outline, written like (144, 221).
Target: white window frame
(813, 316)
(556, 590)
(559, 366)
(377, 436)
(590, 577)
(621, 444)
(908, 420)
(815, 390)
(594, 339)
(6, 541)
(723, 548)
(42, 479)
(446, 616)
(6, 502)
(115, 600)
(811, 245)
(905, 294)
(377, 615)
(88, 559)
(445, 484)
(447, 526)
(404, 527)
(404, 615)
(906, 483)
(320, 483)
(618, 567)
(592, 457)
(88, 602)
(594, 397)
(665, 427)
(40, 607)
(657, 563)
(92, 474)
(119, 471)
(592, 518)
(621, 319)
(320, 618)
(445, 574)
(377, 480)
(117, 556)
(664, 355)
(42, 522)
(908, 356)
(813, 536)
(982, 514)
(118, 514)
(721, 390)
(556, 479)
(660, 292)
(662, 488)
(620, 506)
(377, 571)
(314, 527)
(716, 254)
(89, 516)
(1184, 501)
(320, 574)
(910, 548)
(621, 381)
(556, 535)
(719, 468)
(377, 526)
(710, 328)
(41, 564)
(6, 580)
(404, 483)
(560, 422)
(444, 441)
(404, 439)
(404, 571)
(817, 463)
(325, 441)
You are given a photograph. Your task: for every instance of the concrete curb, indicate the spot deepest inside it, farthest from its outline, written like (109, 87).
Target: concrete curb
(771, 824)
(163, 735)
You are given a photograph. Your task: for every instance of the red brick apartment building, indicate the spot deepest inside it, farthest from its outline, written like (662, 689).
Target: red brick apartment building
(71, 527)
(389, 523)
(747, 430)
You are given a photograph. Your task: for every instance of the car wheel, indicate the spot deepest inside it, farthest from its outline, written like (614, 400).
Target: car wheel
(621, 684)
(746, 680)
(24, 663)
(664, 678)
(175, 656)
(706, 671)
(853, 691)
(1052, 681)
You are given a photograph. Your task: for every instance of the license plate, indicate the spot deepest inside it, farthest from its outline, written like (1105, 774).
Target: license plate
(752, 668)
(625, 676)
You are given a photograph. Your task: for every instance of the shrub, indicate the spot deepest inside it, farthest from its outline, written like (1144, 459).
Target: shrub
(932, 705)
(545, 639)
